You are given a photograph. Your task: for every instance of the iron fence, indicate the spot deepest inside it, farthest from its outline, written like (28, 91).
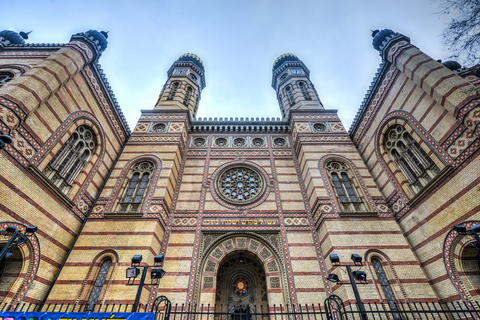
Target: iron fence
(373, 311)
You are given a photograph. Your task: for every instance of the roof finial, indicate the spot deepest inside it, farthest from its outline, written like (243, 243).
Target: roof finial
(24, 35)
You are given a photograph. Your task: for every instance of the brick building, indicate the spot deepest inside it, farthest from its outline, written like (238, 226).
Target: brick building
(248, 210)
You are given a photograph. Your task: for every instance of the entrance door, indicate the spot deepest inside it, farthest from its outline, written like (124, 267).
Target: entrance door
(241, 281)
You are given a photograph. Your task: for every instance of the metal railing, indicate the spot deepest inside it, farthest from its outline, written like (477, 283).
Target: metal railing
(374, 311)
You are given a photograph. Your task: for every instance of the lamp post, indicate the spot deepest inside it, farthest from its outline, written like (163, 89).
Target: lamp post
(15, 240)
(134, 271)
(353, 276)
(5, 139)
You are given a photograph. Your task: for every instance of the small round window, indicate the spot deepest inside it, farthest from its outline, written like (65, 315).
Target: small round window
(258, 142)
(240, 184)
(221, 142)
(239, 142)
(199, 142)
(159, 127)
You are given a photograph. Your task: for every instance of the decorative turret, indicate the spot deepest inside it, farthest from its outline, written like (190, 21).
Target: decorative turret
(291, 81)
(385, 39)
(186, 80)
(96, 40)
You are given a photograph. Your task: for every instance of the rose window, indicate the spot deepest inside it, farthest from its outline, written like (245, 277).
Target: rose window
(320, 127)
(240, 286)
(199, 142)
(258, 142)
(240, 185)
(159, 127)
(239, 142)
(279, 142)
(221, 142)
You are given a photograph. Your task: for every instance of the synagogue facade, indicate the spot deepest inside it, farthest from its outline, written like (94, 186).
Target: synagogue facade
(244, 210)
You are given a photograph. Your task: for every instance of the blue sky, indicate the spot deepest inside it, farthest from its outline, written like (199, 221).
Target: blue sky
(238, 42)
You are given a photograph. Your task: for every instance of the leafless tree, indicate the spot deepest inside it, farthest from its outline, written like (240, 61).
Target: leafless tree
(462, 36)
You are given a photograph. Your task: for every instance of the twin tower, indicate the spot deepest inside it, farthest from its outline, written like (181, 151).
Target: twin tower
(291, 81)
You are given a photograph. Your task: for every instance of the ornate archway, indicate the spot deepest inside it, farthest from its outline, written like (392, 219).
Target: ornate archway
(232, 261)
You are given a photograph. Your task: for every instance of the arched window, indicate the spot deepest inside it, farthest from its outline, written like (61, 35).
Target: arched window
(136, 187)
(98, 285)
(5, 77)
(344, 187)
(187, 95)
(65, 166)
(387, 290)
(303, 88)
(175, 86)
(410, 158)
(289, 92)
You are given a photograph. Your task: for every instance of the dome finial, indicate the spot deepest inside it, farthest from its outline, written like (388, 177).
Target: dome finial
(24, 35)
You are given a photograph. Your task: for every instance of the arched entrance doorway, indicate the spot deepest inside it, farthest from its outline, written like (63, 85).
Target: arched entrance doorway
(241, 281)
(10, 270)
(232, 261)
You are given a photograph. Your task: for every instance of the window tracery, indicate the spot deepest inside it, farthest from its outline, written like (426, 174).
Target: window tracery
(344, 187)
(98, 285)
(384, 283)
(65, 166)
(410, 158)
(172, 94)
(187, 95)
(303, 89)
(240, 185)
(136, 187)
(289, 92)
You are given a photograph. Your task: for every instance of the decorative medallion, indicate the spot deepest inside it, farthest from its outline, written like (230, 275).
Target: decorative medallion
(279, 142)
(240, 184)
(240, 286)
(258, 142)
(221, 142)
(199, 142)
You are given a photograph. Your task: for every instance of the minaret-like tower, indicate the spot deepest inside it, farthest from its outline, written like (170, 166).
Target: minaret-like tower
(186, 80)
(291, 81)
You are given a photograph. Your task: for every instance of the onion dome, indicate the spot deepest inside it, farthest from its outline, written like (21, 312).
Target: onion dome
(12, 36)
(379, 37)
(283, 58)
(452, 65)
(100, 38)
(193, 58)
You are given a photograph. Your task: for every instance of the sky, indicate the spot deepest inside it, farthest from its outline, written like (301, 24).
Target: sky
(238, 42)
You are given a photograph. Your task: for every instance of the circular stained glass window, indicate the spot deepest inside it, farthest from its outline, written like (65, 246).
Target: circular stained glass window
(319, 127)
(258, 142)
(240, 184)
(199, 142)
(279, 142)
(240, 286)
(239, 142)
(221, 142)
(159, 127)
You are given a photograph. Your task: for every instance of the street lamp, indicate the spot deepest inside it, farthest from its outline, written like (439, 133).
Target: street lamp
(354, 276)
(5, 139)
(15, 240)
(134, 271)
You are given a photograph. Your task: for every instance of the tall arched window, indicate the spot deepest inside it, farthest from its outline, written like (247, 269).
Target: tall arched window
(410, 158)
(289, 93)
(65, 166)
(187, 95)
(383, 280)
(136, 187)
(175, 86)
(303, 88)
(98, 285)
(344, 187)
